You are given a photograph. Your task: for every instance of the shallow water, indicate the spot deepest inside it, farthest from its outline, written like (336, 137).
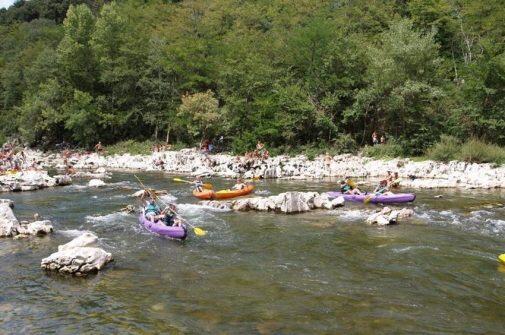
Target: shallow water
(260, 273)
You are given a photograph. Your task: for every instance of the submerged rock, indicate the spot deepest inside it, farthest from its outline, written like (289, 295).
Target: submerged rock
(96, 183)
(77, 261)
(387, 216)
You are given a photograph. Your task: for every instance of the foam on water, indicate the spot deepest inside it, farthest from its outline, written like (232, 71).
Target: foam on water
(351, 214)
(262, 192)
(414, 247)
(72, 232)
(106, 218)
(481, 221)
(168, 198)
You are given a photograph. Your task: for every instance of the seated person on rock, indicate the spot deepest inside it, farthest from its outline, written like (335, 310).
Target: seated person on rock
(239, 185)
(346, 187)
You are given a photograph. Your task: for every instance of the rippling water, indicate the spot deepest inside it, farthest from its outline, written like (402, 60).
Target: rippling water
(260, 273)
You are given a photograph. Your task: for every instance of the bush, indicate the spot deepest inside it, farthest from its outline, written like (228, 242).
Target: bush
(477, 151)
(447, 149)
(388, 150)
(344, 144)
(131, 147)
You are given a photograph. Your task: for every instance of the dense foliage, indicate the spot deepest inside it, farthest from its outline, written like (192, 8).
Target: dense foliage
(290, 73)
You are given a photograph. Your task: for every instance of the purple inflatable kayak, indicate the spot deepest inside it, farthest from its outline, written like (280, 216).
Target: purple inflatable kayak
(376, 199)
(160, 228)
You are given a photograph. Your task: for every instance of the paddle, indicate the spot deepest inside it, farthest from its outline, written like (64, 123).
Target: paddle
(198, 231)
(207, 186)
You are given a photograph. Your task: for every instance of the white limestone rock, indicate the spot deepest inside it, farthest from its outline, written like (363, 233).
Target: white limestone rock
(387, 216)
(77, 261)
(337, 202)
(9, 202)
(85, 240)
(96, 183)
(9, 224)
(36, 228)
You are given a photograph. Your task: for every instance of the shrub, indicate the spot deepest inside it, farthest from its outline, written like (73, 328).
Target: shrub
(131, 147)
(387, 150)
(344, 144)
(447, 149)
(477, 151)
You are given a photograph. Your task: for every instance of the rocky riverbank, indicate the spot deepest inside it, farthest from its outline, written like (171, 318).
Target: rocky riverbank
(31, 180)
(424, 174)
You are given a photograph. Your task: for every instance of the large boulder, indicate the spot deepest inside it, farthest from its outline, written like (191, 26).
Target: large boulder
(293, 202)
(77, 261)
(85, 240)
(9, 224)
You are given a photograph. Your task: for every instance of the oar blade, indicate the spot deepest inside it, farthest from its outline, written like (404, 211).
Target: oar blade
(199, 231)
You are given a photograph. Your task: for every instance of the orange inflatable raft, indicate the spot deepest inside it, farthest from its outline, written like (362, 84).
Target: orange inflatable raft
(223, 194)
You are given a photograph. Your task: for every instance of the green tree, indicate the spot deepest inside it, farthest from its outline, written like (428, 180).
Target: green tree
(75, 54)
(403, 96)
(200, 113)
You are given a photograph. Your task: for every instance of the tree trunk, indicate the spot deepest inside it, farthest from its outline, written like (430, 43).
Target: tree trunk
(168, 134)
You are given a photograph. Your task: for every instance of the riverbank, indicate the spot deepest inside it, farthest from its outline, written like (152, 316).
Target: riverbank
(424, 174)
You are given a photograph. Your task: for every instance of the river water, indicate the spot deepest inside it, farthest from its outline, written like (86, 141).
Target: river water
(322, 272)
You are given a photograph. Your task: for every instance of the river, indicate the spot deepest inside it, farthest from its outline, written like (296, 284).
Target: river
(321, 272)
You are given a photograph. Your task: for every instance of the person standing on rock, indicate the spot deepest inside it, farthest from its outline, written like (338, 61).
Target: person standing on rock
(375, 138)
(99, 147)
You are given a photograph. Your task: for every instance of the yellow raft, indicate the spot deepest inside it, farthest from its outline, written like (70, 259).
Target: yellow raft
(501, 258)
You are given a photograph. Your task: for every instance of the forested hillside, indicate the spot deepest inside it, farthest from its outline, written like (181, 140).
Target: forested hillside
(290, 73)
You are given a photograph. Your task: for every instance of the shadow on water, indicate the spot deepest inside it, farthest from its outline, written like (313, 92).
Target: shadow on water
(317, 272)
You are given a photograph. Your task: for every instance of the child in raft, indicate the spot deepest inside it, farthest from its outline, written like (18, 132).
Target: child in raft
(346, 187)
(168, 216)
(198, 183)
(239, 185)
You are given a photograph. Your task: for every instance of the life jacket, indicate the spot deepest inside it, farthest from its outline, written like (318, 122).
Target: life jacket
(151, 208)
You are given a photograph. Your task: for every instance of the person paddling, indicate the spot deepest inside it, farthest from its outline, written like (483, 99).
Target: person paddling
(346, 187)
(382, 188)
(198, 183)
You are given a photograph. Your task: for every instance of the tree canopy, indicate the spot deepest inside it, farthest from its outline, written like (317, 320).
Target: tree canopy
(286, 73)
